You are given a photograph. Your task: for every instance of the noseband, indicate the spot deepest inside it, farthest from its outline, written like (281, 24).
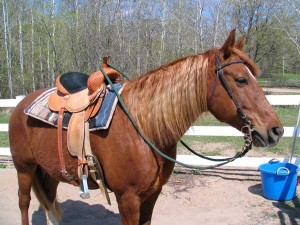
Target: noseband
(246, 129)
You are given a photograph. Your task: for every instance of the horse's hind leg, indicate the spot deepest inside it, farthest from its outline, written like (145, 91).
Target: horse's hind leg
(45, 188)
(25, 180)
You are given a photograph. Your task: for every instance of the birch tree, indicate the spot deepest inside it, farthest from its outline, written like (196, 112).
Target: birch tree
(7, 47)
(54, 61)
(198, 39)
(138, 61)
(290, 25)
(32, 52)
(216, 24)
(163, 31)
(54, 36)
(179, 28)
(21, 50)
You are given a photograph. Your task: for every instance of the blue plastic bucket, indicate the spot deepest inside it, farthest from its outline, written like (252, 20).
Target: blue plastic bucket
(279, 180)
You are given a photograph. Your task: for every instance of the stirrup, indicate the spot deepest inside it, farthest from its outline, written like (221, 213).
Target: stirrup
(84, 191)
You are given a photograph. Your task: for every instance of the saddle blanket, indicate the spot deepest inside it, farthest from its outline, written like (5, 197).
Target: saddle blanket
(39, 109)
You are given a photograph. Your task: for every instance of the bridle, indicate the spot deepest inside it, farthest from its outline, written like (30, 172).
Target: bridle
(246, 129)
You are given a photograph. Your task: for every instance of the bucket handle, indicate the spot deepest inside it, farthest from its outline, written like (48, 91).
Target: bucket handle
(282, 168)
(274, 161)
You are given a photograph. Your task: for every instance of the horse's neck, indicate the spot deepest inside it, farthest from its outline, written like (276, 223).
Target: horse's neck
(165, 102)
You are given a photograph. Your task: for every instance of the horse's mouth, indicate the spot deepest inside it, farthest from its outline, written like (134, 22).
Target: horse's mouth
(258, 140)
(268, 140)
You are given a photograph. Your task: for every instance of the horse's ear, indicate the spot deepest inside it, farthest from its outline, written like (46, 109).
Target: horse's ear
(227, 47)
(240, 43)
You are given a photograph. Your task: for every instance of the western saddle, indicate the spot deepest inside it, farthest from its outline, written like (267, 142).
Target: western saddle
(82, 96)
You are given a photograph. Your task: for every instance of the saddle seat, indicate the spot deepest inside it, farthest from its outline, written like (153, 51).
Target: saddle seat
(82, 96)
(77, 91)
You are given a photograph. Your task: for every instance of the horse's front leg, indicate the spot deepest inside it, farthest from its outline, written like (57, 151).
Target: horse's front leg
(129, 207)
(147, 208)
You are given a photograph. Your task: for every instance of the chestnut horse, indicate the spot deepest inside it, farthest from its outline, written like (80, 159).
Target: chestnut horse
(164, 103)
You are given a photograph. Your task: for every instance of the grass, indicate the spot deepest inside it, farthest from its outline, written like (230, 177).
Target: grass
(287, 115)
(284, 146)
(4, 117)
(4, 143)
(2, 166)
(278, 80)
(209, 145)
(286, 75)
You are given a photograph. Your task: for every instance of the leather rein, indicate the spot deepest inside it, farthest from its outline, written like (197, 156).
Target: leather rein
(246, 129)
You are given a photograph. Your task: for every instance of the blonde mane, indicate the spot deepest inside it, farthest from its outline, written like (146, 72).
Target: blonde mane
(166, 101)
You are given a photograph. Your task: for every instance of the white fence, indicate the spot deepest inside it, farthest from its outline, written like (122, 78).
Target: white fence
(201, 131)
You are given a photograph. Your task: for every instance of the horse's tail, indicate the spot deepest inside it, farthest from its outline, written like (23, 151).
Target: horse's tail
(38, 186)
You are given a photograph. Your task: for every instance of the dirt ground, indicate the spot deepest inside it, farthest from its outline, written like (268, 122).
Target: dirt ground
(231, 196)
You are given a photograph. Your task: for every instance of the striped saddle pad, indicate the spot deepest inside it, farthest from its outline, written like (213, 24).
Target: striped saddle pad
(39, 109)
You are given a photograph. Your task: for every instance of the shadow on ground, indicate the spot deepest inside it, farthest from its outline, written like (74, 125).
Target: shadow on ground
(80, 213)
(288, 211)
(234, 174)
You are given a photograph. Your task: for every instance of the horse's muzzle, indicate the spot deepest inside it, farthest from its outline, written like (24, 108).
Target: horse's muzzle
(270, 139)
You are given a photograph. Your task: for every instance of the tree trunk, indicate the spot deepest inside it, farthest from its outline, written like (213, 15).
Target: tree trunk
(216, 25)
(32, 53)
(48, 57)
(199, 31)
(21, 51)
(54, 61)
(138, 63)
(42, 79)
(7, 48)
(179, 30)
(163, 31)
(293, 40)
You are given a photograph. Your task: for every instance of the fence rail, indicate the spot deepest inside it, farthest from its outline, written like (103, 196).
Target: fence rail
(198, 131)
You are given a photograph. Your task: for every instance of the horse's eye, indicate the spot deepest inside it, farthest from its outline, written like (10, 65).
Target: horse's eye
(241, 81)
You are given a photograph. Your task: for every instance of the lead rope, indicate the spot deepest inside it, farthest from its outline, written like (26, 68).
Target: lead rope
(246, 148)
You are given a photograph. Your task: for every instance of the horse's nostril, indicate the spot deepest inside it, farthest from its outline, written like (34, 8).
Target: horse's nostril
(278, 131)
(275, 133)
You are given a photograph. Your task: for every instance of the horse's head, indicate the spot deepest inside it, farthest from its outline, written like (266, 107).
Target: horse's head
(234, 69)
